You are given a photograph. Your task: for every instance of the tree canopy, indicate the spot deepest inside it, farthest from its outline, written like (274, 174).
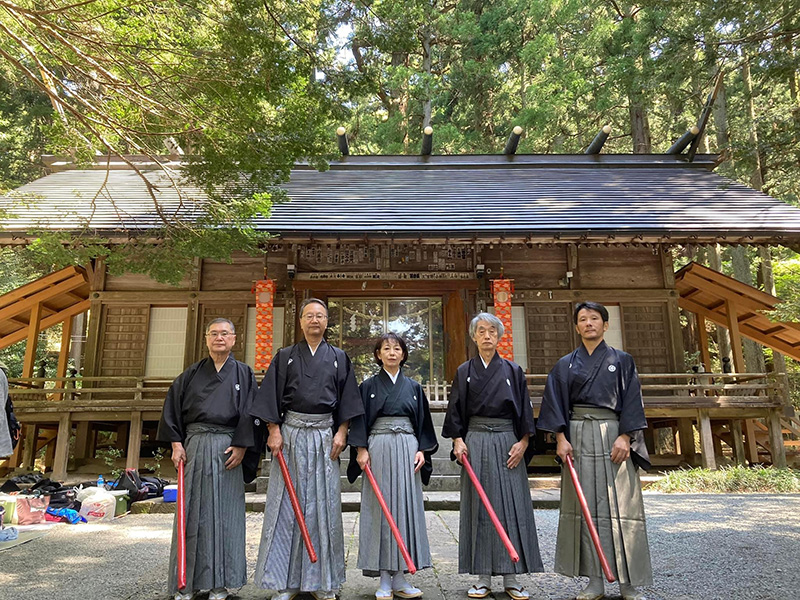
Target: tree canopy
(245, 88)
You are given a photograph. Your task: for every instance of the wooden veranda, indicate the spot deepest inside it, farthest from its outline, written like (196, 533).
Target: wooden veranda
(716, 404)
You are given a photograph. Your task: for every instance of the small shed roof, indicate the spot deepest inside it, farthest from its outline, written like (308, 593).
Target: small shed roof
(534, 197)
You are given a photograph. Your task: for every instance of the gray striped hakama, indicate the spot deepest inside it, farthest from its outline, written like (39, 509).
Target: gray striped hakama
(480, 549)
(215, 514)
(614, 495)
(392, 446)
(283, 562)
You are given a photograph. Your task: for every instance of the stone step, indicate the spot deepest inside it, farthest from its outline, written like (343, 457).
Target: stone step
(450, 482)
(351, 502)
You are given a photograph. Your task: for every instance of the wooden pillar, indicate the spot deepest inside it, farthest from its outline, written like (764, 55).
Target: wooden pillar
(134, 440)
(82, 430)
(717, 445)
(50, 454)
(16, 456)
(30, 435)
(702, 341)
(736, 337)
(455, 333)
(706, 439)
(739, 367)
(63, 353)
(686, 438)
(750, 440)
(33, 340)
(776, 439)
(123, 430)
(62, 448)
(738, 442)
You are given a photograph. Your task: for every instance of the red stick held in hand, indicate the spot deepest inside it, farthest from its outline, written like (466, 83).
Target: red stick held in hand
(181, 530)
(492, 515)
(395, 531)
(587, 516)
(287, 480)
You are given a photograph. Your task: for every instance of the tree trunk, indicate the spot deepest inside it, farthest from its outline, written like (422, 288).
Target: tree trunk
(640, 127)
(765, 271)
(723, 337)
(757, 177)
(753, 352)
(426, 67)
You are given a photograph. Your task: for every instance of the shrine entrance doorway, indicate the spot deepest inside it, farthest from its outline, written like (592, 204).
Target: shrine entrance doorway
(355, 323)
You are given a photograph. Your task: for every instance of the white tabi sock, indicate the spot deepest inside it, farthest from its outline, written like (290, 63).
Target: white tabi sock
(485, 581)
(595, 587)
(386, 581)
(399, 581)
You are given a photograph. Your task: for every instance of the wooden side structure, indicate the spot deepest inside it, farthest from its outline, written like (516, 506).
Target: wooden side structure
(638, 280)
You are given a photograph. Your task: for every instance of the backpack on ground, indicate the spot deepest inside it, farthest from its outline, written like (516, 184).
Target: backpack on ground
(155, 486)
(129, 480)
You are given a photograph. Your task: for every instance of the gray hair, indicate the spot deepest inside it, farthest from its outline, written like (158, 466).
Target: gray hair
(221, 320)
(489, 318)
(308, 301)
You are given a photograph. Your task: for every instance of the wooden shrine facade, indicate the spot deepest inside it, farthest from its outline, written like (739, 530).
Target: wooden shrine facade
(414, 244)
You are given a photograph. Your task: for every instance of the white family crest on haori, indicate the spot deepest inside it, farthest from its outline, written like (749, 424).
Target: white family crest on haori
(612, 368)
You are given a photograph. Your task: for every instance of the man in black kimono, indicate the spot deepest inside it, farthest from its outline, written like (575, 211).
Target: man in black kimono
(207, 420)
(490, 419)
(307, 398)
(593, 403)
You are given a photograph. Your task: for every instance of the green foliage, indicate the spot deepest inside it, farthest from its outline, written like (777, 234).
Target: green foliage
(155, 466)
(110, 456)
(231, 83)
(730, 480)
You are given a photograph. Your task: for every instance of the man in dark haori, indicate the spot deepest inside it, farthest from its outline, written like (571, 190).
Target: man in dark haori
(490, 419)
(395, 437)
(593, 403)
(307, 398)
(207, 420)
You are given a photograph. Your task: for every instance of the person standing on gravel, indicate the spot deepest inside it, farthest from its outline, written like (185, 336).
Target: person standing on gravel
(307, 399)
(207, 420)
(490, 420)
(593, 403)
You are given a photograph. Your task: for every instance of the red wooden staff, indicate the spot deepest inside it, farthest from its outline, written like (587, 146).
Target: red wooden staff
(181, 530)
(587, 516)
(395, 531)
(492, 515)
(287, 480)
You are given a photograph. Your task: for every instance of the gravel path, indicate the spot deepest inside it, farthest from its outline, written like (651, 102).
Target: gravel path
(703, 547)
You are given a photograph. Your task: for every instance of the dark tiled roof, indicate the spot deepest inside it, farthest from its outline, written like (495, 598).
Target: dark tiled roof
(457, 196)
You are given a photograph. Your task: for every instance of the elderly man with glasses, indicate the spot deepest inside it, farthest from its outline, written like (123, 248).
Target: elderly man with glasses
(307, 398)
(207, 420)
(490, 420)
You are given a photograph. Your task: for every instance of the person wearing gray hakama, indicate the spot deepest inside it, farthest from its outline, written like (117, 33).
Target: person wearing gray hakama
(490, 419)
(593, 403)
(6, 443)
(395, 437)
(206, 418)
(307, 398)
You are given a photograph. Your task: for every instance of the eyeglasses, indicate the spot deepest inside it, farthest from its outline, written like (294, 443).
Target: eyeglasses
(216, 334)
(318, 316)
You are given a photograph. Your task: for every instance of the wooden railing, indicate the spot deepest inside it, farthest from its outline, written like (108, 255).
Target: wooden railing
(668, 398)
(660, 390)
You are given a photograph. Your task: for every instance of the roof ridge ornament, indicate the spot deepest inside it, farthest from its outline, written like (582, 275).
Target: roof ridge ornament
(599, 141)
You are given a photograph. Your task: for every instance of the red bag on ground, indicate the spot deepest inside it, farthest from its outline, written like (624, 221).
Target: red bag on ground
(31, 509)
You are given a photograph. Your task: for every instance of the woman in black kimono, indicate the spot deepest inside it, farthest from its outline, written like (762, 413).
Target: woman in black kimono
(393, 436)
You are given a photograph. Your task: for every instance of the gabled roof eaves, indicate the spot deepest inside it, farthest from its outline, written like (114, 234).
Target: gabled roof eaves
(460, 196)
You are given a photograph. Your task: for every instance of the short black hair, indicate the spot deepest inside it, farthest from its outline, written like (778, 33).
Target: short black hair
(595, 306)
(391, 335)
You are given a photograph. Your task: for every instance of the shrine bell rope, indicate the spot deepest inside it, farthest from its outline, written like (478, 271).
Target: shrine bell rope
(265, 299)
(502, 289)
